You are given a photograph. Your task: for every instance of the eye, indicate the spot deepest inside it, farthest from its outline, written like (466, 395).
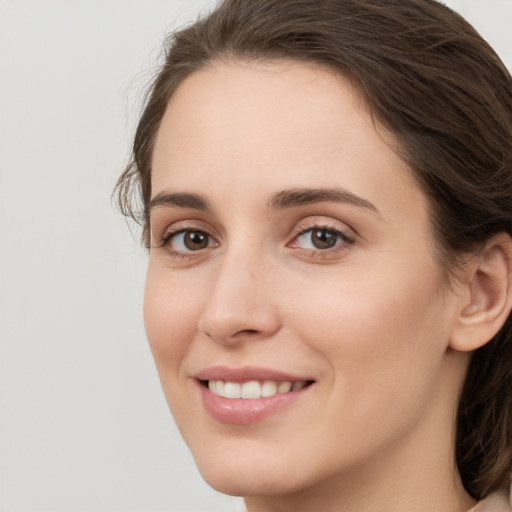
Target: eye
(320, 239)
(189, 240)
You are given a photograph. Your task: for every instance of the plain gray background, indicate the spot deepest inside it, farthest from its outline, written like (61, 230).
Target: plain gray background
(84, 425)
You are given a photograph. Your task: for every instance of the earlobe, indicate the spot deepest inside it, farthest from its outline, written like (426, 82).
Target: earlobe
(488, 297)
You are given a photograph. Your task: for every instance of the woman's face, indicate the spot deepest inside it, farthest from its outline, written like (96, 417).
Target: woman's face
(290, 247)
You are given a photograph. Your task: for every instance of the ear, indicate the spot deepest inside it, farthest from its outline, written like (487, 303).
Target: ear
(487, 295)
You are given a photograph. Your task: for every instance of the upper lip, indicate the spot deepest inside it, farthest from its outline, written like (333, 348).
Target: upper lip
(245, 374)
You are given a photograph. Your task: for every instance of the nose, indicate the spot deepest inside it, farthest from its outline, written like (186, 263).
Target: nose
(241, 306)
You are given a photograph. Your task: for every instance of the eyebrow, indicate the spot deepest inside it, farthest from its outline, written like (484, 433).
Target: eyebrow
(284, 199)
(302, 196)
(179, 199)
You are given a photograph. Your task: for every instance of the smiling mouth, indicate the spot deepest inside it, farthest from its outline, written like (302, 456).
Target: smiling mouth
(253, 389)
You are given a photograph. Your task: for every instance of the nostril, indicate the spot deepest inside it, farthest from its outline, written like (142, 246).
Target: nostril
(236, 324)
(247, 332)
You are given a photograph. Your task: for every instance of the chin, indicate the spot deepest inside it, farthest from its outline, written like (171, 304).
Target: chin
(250, 483)
(237, 474)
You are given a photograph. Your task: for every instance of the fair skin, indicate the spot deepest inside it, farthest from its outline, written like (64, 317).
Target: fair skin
(341, 292)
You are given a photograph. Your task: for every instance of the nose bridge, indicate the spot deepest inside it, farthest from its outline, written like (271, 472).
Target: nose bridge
(240, 305)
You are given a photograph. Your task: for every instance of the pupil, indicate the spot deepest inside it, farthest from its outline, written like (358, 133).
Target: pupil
(195, 240)
(323, 239)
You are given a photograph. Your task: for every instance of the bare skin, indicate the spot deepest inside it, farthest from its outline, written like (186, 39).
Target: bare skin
(341, 288)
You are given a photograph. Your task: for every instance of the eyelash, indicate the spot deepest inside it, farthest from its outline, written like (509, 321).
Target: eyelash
(342, 240)
(169, 235)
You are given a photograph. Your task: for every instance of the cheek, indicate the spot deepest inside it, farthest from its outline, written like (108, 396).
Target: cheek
(381, 330)
(383, 354)
(170, 319)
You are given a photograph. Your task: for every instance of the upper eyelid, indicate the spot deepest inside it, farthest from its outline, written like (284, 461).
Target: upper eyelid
(186, 224)
(322, 222)
(317, 227)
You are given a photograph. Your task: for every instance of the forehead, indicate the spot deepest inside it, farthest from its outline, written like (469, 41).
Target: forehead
(247, 126)
(284, 97)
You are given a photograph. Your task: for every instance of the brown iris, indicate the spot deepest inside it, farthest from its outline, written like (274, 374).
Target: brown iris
(195, 240)
(323, 239)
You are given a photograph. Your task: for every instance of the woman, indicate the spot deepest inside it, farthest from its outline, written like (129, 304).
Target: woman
(327, 203)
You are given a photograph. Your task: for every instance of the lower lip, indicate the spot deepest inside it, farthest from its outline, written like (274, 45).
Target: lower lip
(244, 411)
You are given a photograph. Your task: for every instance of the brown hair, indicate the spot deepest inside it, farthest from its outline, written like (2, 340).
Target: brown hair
(444, 94)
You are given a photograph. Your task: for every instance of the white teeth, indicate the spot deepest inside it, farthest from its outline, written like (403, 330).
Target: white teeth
(269, 388)
(284, 387)
(253, 388)
(232, 390)
(216, 387)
